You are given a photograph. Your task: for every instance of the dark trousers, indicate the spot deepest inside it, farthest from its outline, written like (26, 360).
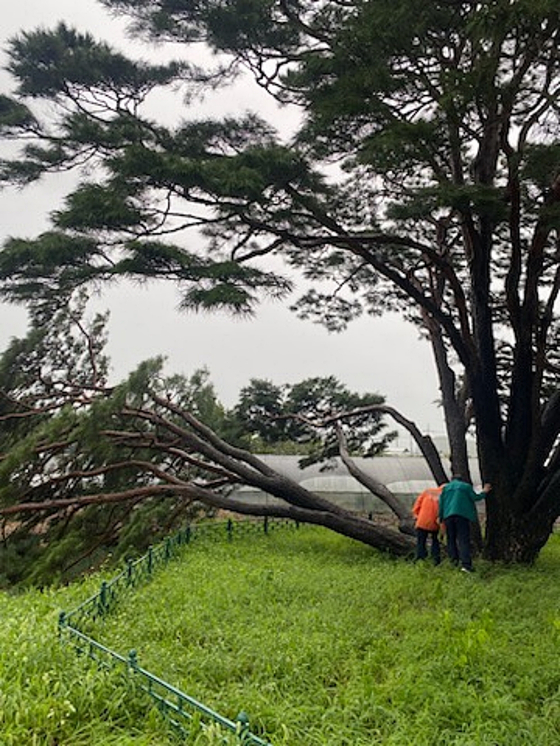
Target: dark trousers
(458, 530)
(421, 541)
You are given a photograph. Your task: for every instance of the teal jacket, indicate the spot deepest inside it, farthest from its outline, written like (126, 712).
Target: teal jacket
(458, 498)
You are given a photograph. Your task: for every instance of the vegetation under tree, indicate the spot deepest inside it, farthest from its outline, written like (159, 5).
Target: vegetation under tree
(90, 471)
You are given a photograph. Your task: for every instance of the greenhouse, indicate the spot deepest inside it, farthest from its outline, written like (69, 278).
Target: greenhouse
(405, 475)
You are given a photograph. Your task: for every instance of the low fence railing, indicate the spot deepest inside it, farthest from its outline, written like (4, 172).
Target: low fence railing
(77, 627)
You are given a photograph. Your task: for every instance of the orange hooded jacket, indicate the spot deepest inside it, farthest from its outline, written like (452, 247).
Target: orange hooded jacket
(426, 507)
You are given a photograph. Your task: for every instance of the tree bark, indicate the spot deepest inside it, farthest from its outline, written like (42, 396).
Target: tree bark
(406, 523)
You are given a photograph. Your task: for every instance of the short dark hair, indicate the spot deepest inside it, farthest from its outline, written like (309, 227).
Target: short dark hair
(461, 478)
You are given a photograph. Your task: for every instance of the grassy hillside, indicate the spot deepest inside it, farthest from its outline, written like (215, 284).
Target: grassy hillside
(51, 697)
(322, 641)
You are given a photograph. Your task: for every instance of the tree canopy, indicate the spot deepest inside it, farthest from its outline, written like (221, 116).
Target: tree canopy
(291, 418)
(424, 178)
(91, 471)
(54, 402)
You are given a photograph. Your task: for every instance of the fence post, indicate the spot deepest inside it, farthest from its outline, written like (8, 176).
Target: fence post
(266, 524)
(61, 623)
(242, 721)
(103, 598)
(230, 529)
(133, 660)
(150, 560)
(129, 571)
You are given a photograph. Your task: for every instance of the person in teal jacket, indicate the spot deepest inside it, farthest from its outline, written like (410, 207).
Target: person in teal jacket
(457, 510)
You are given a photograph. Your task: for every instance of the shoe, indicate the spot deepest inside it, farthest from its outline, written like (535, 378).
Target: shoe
(466, 569)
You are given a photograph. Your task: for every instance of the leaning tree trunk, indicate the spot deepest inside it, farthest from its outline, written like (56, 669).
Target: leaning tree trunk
(329, 515)
(397, 506)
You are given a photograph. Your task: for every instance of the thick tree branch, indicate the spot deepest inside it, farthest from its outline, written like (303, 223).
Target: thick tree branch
(424, 442)
(83, 500)
(401, 510)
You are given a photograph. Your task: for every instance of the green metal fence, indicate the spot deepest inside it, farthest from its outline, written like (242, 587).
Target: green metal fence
(78, 626)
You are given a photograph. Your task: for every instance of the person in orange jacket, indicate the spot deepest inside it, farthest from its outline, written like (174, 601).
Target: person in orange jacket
(425, 511)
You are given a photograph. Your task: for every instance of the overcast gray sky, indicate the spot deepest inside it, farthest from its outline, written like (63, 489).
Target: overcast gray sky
(381, 355)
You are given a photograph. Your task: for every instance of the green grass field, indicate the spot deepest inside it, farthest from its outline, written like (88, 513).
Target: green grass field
(320, 639)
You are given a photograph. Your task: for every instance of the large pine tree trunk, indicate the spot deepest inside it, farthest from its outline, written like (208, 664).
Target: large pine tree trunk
(511, 536)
